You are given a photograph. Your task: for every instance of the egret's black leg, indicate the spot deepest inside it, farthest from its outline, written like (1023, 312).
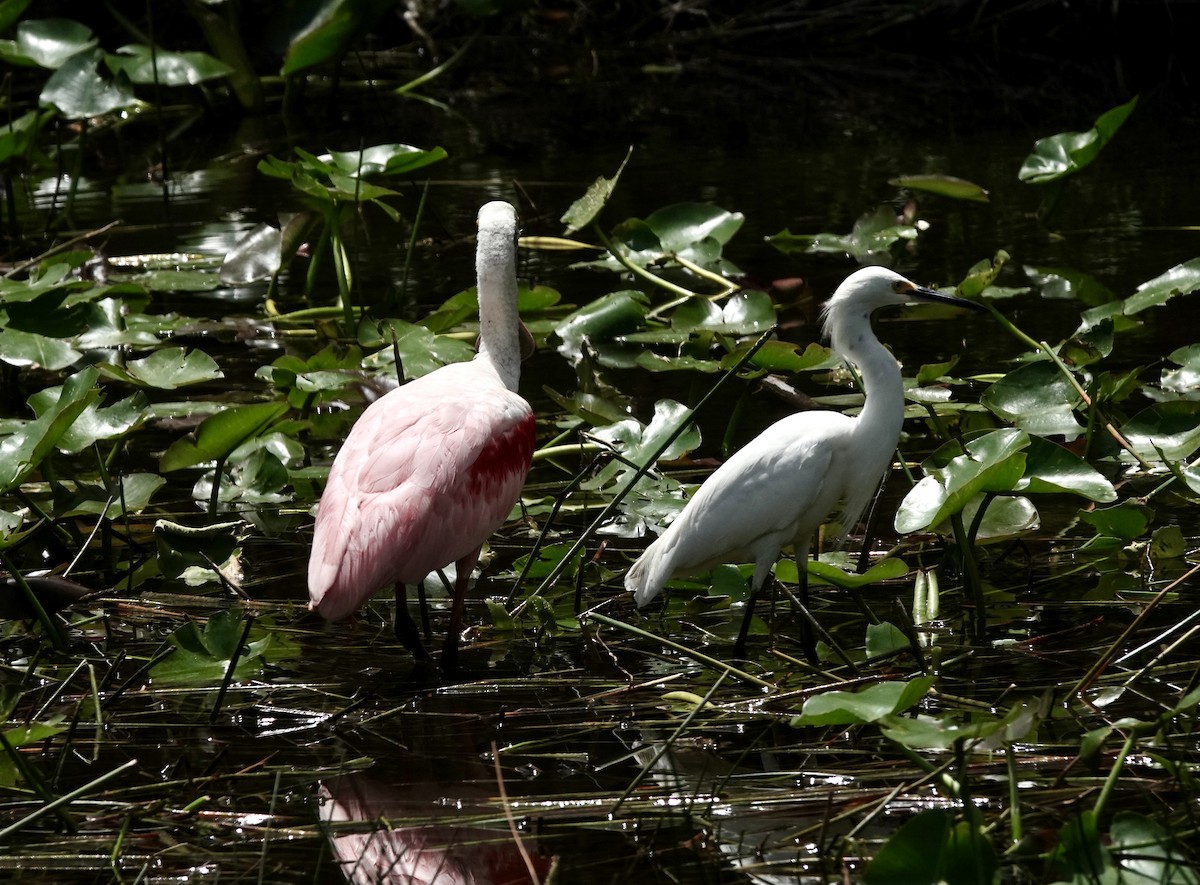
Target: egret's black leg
(808, 641)
(406, 627)
(739, 647)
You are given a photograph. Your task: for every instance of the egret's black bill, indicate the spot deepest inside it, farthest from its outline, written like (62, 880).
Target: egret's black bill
(920, 293)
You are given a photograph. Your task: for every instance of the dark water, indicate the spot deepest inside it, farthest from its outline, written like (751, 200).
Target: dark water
(569, 713)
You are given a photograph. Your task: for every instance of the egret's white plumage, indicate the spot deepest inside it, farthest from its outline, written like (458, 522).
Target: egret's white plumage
(430, 470)
(779, 488)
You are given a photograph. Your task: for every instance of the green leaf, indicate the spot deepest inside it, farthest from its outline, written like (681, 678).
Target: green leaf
(1038, 399)
(142, 65)
(96, 422)
(942, 185)
(865, 705)
(47, 42)
(1173, 428)
(79, 90)
(383, 159)
(1081, 853)
(181, 547)
(1127, 520)
(679, 227)
(871, 237)
(994, 463)
(131, 493)
(584, 210)
(889, 569)
(1067, 153)
(36, 351)
(203, 657)
(885, 639)
(1182, 279)
(23, 451)
(930, 849)
(609, 316)
(331, 31)
(166, 369)
(421, 351)
(218, 435)
(1067, 283)
(1147, 853)
(783, 356)
(1051, 468)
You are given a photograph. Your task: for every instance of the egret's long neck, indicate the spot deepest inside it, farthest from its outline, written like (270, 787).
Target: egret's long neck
(882, 415)
(496, 265)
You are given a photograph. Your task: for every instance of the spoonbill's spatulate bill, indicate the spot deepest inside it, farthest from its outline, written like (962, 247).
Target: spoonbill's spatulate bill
(433, 468)
(786, 482)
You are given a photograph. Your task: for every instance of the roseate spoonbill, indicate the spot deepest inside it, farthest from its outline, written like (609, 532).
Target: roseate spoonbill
(781, 486)
(434, 467)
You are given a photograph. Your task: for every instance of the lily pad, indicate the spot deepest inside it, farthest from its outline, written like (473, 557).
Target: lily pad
(218, 435)
(166, 369)
(994, 462)
(869, 704)
(943, 185)
(1060, 155)
(1038, 399)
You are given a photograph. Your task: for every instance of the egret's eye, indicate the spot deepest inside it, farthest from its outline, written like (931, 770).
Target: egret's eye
(900, 287)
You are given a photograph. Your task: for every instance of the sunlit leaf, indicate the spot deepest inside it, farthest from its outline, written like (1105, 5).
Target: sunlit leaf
(887, 569)
(329, 32)
(47, 42)
(181, 547)
(1038, 399)
(36, 351)
(256, 256)
(1182, 279)
(131, 493)
(1147, 853)
(21, 452)
(204, 656)
(1068, 283)
(421, 351)
(584, 210)
(96, 422)
(220, 434)
(78, 89)
(141, 64)
(1184, 381)
(994, 462)
(383, 159)
(166, 369)
(885, 639)
(605, 318)
(942, 185)
(865, 705)
(1172, 427)
(1051, 468)
(1127, 520)
(1007, 517)
(1066, 153)
(872, 236)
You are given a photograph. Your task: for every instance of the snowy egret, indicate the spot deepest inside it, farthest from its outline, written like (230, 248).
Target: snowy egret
(786, 482)
(433, 468)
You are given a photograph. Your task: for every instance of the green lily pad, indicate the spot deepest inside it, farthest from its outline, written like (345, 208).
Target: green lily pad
(1067, 283)
(47, 42)
(943, 186)
(1182, 279)
(21, 452)
(872, 236)
(142, 65)
(604, 319)
(931, 849)
(1127, 520)
(868, 704)
(218, 435)
(1172, 427)
(1051, 468)
(203, 656)
(584, 210)
(1064, 154)
(995, 462)
(1038, 399)
(36, 351)
(888, 569)
(79, 90)
(166, 369)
